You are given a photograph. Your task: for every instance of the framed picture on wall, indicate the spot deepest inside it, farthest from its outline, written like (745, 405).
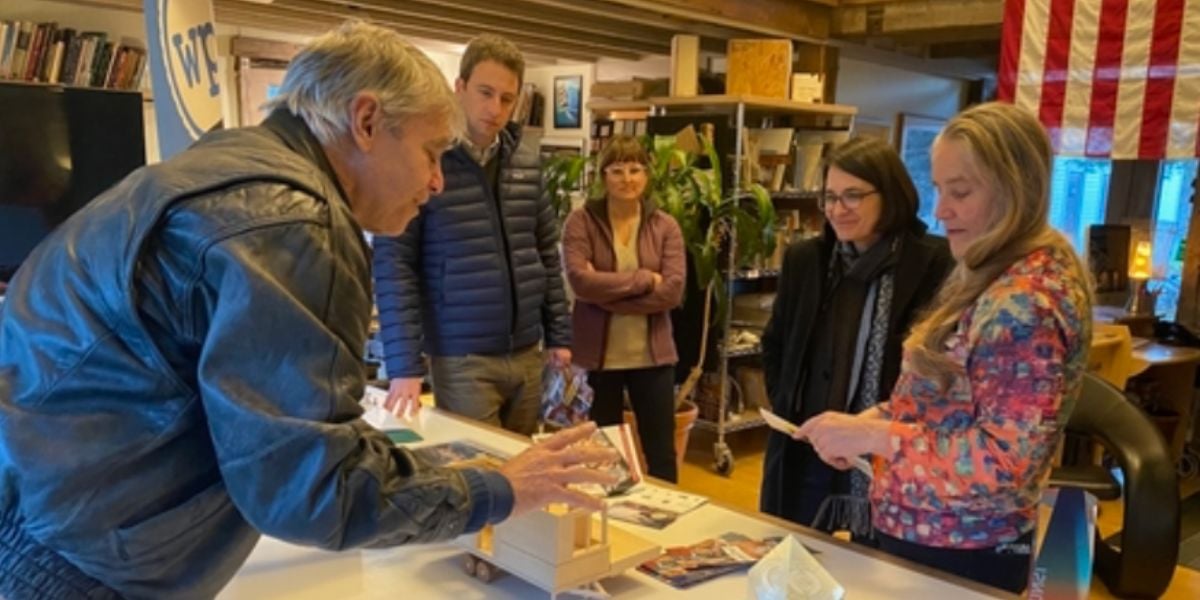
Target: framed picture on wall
(914, 138)
(568, 102)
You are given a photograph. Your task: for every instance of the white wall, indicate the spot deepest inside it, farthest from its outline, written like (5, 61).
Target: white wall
(880, 92)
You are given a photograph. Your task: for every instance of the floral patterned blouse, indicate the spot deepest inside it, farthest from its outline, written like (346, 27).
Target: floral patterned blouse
(969, 464)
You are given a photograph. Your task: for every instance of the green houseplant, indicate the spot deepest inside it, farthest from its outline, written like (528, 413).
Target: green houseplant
(561, 176)
(707, 214)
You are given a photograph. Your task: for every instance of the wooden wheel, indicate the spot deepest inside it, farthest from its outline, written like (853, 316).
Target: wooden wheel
(485, 571)
(469, 564)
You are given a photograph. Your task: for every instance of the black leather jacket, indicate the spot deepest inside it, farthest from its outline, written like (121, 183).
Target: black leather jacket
(184, 362)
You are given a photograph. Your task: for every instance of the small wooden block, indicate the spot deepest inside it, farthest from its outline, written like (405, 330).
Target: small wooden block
(759, 68)
(685, 65)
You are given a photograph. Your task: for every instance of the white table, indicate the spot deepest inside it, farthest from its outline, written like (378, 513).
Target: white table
(280, 570)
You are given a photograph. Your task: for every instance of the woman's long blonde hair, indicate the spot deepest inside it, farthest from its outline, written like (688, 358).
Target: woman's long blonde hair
(1011, 152)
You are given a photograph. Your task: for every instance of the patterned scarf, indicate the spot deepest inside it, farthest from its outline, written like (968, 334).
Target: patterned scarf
(852, 511)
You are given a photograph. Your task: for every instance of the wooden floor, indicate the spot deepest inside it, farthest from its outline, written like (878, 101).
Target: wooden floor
(740, 489)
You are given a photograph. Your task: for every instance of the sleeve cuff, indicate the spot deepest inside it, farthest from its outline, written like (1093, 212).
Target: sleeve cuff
(491, 498)
(400, 368)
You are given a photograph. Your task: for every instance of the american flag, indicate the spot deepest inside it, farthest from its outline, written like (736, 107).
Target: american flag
(1108, 78)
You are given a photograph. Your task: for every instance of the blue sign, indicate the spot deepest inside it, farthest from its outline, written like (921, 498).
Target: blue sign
(182, 44)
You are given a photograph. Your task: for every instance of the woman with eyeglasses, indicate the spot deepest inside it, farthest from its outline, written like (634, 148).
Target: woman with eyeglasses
(845, 303)
(963, 448)
(625, 262)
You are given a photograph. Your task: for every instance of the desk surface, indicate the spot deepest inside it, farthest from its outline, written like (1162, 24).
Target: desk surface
(1161, 354)
(280, 570)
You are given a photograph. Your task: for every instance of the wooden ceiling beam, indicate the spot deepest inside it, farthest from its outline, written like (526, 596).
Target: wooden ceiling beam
(246, 14)
(435, 23)
(518, 14)
(460, 19)
(672, 22)
(915, 17)
(796, 19)
(968, 49)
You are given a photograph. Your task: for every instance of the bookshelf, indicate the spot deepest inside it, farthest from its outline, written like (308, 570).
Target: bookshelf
(613, 117)
(44, 52)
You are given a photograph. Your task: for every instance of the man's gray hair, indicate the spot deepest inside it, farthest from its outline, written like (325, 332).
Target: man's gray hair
(359, 57)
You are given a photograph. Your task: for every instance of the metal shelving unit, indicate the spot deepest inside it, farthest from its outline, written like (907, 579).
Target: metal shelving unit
(741, 109)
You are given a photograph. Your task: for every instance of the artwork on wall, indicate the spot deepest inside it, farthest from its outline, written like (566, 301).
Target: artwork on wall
(568, 102)
(914, 139)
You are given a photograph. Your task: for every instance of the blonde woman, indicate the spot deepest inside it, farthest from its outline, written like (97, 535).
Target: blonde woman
(963, 449)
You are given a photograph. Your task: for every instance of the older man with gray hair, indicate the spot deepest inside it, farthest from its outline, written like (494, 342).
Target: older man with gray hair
(179, 362)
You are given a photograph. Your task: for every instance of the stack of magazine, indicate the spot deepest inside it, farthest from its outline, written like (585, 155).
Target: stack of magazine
(684, 566)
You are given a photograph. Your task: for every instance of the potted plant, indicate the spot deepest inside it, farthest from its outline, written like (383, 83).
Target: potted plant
(696, 198)
(562, 178)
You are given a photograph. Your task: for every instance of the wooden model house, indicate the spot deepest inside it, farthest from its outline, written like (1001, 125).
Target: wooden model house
(558, 549)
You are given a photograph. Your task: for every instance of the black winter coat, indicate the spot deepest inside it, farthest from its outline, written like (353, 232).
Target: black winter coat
(923, 263)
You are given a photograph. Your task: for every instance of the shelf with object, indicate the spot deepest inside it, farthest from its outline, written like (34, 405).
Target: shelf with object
(49, 54)
(612, 117)
(729, 119)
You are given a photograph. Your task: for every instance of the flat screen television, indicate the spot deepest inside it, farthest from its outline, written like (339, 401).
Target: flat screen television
(59, 148)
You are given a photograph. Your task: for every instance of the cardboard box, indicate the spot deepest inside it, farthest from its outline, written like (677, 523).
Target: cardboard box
(685, 66)
(635, 89)
(759, 68)
(808, 87)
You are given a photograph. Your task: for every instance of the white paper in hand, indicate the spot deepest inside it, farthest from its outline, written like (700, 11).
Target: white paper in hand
(373, 411)
(788, 428)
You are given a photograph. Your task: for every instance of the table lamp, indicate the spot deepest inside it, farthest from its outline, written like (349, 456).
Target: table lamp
(1141, 299)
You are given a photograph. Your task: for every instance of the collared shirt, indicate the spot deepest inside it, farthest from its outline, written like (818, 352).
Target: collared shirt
(482, 155)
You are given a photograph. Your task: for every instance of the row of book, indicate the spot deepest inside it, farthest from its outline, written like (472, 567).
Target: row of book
(604, 129)
(47, 53)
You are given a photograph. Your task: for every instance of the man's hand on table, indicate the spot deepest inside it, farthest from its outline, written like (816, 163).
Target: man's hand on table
(404, 397)
(540, 474)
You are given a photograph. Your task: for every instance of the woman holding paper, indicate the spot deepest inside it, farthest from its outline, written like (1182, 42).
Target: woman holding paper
(964, 447)
(625, 262)
(845, 302)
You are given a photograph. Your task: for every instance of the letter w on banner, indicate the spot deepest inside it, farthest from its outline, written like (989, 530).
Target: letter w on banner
(182, 44)
(1108, 78)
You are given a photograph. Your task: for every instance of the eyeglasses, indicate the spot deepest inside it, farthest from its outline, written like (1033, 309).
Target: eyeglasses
(849, 198)
(630, 171)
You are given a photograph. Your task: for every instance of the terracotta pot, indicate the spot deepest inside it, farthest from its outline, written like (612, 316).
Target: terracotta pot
(685, 418)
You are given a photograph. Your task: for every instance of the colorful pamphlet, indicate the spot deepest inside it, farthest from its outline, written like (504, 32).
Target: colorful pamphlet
(653, 506)
(1063, 570)
(459, 453)
(685, 566)
(627, 469)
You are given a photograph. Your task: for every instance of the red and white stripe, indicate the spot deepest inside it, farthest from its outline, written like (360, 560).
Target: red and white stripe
(1108, 78)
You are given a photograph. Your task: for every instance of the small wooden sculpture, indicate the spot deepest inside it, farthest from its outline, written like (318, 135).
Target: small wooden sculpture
(558, 549)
